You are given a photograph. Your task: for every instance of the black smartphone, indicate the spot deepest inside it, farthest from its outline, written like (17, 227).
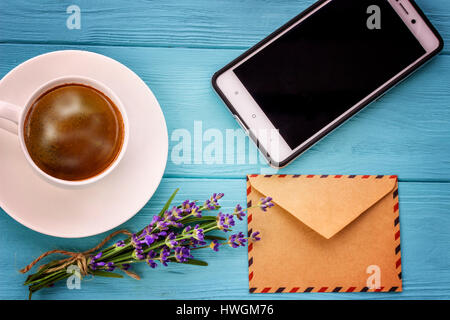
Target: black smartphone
(322, 67)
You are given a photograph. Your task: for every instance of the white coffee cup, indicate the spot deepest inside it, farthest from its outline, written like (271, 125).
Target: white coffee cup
(17, 115)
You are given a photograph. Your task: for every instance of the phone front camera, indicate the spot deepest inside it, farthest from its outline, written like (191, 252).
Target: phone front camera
(413, 21)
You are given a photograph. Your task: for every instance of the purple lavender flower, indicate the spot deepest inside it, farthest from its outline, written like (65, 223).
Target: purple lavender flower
(213, 202)
(164, 255)
(197, 233)
(155, 219)
(170, 240)
(187, 229)
(218, 196)
(239, 212)
(214, 245)
(97, 256)
(162, 225)
(237, 240)
(195, 243)
(182, 254)
(150, 256)
(209, 205)
(187, 206)
(149, 239)
(231, 241)
(126, 266)
(225, 221)
(152, 263)
(265, 203)
(138, 252)
(120, 243)
(174, 215)
(147, 230)
(135, 241)
(93, 264)
(110, 266)
(162, 234)
(255, 236)
(196, 212)
(176, 224)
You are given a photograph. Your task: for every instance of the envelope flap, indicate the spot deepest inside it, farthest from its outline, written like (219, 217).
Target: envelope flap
(324, 203)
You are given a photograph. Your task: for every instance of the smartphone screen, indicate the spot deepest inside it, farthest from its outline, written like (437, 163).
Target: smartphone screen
(326, 64)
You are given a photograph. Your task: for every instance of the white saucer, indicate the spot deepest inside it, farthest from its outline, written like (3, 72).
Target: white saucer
(108, 203)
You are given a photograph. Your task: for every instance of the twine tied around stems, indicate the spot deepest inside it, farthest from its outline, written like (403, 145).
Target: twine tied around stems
(80, 258)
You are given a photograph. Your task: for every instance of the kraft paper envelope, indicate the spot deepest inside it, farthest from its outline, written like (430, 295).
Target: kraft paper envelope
(329, 233)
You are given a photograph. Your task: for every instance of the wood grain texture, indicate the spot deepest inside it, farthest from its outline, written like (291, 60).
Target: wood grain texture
(169, 23)
(425, 254)
(406, 133)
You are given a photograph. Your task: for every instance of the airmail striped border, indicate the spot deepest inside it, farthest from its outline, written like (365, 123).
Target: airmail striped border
(398, 263)
(320, 289)
(337, 176)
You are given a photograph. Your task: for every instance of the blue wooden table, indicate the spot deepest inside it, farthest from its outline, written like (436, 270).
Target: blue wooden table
(175, 47)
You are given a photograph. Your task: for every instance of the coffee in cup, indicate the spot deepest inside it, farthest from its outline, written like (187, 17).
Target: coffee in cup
(73, 132)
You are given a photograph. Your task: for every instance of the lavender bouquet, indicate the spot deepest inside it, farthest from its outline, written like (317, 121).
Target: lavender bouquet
(172, 236)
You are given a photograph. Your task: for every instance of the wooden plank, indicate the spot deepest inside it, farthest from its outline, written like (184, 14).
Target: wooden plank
(173, 23)
(406, 133)
(425, 240)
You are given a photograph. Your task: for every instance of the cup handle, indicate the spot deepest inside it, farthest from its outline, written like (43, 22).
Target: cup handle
(9, 112)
